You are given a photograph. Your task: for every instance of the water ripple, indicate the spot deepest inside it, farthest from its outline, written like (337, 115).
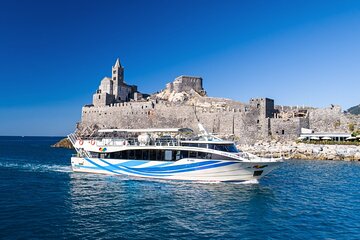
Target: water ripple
(42, 198)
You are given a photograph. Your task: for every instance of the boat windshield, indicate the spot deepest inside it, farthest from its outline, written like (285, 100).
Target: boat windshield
(219, 147)
(224, 147)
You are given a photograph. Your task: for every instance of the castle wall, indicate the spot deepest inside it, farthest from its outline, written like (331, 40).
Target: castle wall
(248, 123)
(102, 99)
(287, 129)
(245, 123)
(186, 84)
(184, 101)
(332, 119)
(327, 120)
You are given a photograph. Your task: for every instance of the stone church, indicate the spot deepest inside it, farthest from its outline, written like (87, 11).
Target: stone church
(114, 89)
(184, 102)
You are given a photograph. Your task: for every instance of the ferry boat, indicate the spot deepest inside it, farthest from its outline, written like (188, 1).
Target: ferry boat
(172, 153)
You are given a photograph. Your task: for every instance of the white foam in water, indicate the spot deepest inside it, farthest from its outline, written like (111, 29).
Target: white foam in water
(36, 167)
(252, 181)
(172, 181)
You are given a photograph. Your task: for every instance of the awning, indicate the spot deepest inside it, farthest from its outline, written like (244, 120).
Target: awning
(326, 138)
(351, 138)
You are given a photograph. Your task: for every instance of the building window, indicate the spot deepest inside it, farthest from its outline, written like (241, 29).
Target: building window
(258, 105)
(258, 121)
(99, 96)
(282, 132)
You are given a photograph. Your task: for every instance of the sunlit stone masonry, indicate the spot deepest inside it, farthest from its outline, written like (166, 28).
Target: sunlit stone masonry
(184, 102)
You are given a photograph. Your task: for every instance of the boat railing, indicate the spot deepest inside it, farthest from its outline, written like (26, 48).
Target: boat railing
(133, 141)
(80, 151)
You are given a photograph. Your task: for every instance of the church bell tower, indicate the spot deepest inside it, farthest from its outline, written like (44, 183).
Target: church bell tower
(118, 78)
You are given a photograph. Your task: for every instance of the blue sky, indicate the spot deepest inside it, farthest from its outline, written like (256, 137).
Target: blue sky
(54, 53)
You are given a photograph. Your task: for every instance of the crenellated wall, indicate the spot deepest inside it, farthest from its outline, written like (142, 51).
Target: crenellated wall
(245, 122)
(184, 102)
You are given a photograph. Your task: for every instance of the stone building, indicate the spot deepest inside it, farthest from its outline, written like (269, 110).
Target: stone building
(184, 102)
(186, 84)
(114, 89)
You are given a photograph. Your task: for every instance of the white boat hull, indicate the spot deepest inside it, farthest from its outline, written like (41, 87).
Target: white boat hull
(203, 170)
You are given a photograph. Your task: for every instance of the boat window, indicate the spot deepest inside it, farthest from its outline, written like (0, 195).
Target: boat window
(176, 155)
(220, 147)
(192, 154)
(184, 154)
(160, 155)
(220, 157)
(138, 155)
(231, 148)
(168, 155)
(223, 147)
(131, 154)
(211, 146)
(124, 155)
(145, 154)
(202, 145)
(190, 144)
(94, 154)
(112, 155)
(202, 155)
(152, 154)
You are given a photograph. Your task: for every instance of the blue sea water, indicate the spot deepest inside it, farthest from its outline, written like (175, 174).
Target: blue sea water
(40, 198)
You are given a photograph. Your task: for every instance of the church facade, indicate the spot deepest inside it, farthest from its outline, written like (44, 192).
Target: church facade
(115, 90)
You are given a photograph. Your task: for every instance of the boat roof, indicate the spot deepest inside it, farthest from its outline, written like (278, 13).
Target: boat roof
(325, 135)
(147, 130)
(207, 142)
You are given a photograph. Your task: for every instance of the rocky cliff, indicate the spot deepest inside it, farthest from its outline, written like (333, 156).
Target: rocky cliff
(63, 143)
(296, 150)
(354, 110)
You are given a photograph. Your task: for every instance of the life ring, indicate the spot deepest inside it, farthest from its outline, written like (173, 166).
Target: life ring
(92, 142)
(81, 142)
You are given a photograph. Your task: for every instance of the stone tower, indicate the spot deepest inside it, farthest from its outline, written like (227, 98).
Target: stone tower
(117, 78)
(114, 89)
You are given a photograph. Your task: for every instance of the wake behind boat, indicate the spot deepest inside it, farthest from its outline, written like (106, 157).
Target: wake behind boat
(173, 153)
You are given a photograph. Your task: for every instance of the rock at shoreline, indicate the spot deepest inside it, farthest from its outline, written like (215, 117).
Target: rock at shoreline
(304, 151)
(63, 143)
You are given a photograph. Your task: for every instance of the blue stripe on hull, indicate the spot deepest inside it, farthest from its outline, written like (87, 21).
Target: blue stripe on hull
(112, 167)
(181, 168)
(156, 168)
(176, 168)
(160, 170)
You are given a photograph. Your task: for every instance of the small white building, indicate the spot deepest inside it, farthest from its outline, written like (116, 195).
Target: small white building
(325, 136)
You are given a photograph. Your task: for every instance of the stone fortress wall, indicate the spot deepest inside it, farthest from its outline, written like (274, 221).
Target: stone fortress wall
(183, 102)
(161, 114)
